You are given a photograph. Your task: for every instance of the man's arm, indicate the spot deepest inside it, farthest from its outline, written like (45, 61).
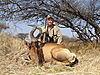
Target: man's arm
(44, 29)
(59, 36)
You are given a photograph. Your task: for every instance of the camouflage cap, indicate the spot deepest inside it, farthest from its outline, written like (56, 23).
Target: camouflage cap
(49, 17)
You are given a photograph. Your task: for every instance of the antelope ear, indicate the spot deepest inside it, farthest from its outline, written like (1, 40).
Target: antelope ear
(26, 43)
(30, 45)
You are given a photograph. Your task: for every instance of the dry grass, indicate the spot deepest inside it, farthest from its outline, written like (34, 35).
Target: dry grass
(88, 55)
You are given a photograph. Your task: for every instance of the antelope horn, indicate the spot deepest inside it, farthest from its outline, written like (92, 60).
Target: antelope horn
(32, 25)
(33, 38)
(39, 29)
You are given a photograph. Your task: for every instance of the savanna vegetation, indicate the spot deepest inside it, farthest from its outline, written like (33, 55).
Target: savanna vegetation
(81, 16)
(12, 62)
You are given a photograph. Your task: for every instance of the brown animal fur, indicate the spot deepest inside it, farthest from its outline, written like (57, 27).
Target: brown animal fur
(52, 52)
(33, 53)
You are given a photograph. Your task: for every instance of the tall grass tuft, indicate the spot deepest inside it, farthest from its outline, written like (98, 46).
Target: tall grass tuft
(8, 43)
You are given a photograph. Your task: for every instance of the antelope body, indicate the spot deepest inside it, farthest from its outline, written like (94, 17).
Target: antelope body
(51, 52)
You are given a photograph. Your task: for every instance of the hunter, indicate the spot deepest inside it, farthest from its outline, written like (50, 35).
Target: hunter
(52, 32)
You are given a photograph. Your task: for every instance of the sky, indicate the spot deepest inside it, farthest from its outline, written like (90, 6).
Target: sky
(21, 27)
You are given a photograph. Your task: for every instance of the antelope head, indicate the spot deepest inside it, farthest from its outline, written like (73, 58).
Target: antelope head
(33, 38)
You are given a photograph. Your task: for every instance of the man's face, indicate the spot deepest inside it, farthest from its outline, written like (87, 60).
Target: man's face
(50, 22)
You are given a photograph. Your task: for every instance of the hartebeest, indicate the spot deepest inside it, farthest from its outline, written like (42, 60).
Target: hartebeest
(50, 52)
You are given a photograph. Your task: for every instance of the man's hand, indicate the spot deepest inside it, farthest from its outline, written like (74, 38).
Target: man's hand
(44, 30)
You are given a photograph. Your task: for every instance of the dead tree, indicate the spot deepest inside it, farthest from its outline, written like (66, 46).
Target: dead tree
(83, 17)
